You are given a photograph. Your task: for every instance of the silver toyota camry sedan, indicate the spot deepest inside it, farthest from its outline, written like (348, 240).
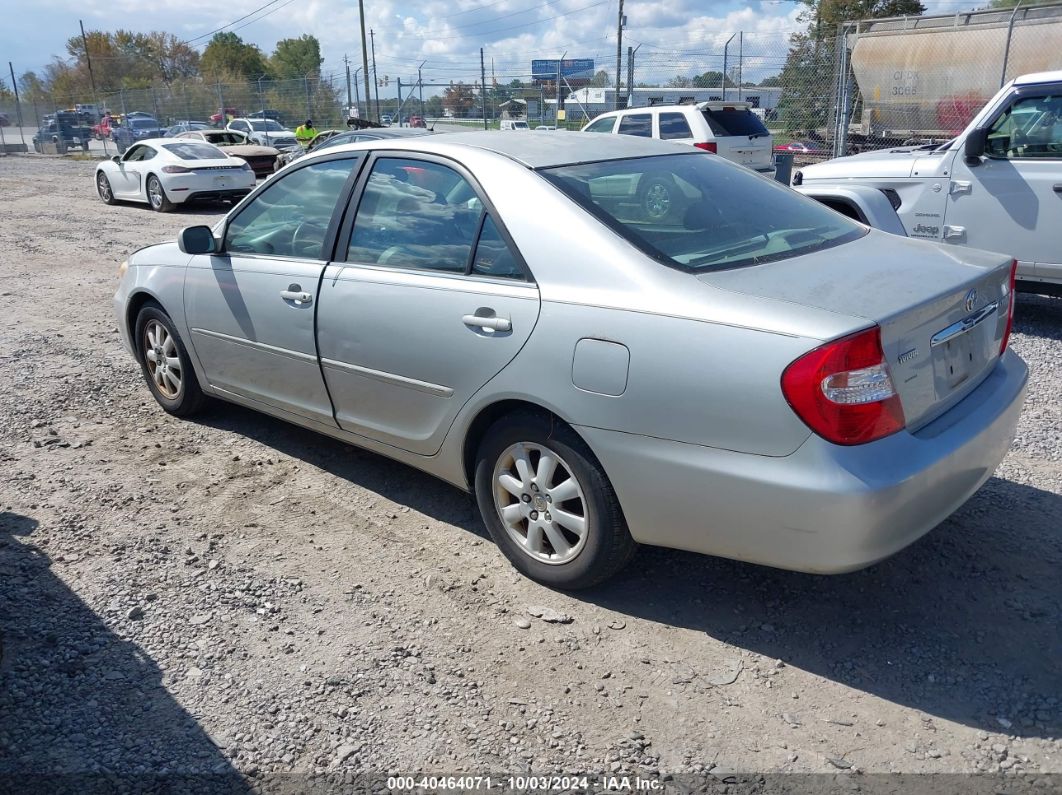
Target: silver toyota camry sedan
(612, 341)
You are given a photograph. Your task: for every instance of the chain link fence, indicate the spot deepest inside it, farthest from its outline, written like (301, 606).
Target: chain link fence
(872, 84)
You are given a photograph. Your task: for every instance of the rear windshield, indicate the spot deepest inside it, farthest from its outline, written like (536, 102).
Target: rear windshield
(195, 151)
(698, 212)
(734, 121)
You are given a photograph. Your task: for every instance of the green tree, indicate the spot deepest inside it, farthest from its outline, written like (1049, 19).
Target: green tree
(711, 80)
(228, 54)
(601, 79)
(458, 99)
(294, 58)
(5, 92)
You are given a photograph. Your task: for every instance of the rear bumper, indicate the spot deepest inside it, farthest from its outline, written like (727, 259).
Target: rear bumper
(825, 508)
(233, 194)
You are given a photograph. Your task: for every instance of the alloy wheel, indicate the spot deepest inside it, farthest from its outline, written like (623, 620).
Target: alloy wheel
(657, 201)
(104, 187)
(162, 360)
(155, 193)
(540, 502)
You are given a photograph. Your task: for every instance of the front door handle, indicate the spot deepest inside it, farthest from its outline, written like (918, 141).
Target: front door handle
(492, 323)
(296, 295)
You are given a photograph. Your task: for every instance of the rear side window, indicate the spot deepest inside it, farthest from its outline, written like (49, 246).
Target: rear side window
(639, 124)
(698, 213)
(601, 125)
(734, 121)
(674, 125)
(493, 255)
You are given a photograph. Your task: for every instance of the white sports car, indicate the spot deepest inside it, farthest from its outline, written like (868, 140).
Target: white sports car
(167, 171)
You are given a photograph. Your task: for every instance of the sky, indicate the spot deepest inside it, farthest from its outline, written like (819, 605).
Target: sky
(675, 37)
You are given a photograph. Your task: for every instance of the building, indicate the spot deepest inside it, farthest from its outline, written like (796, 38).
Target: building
(589, 102)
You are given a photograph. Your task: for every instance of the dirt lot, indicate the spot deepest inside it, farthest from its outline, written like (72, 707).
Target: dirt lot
(239, 594)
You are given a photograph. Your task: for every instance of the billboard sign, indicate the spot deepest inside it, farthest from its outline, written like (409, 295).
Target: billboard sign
(570, 68)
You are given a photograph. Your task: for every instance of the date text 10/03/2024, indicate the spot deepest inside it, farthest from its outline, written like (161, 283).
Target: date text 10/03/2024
(615, 783)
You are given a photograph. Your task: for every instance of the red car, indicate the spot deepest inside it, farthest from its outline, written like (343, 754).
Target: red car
(417, 121)
(801, 147)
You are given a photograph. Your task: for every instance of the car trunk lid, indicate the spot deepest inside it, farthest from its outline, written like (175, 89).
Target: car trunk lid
(942, 318)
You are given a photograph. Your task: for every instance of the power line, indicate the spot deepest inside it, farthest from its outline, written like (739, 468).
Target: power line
(230, 24)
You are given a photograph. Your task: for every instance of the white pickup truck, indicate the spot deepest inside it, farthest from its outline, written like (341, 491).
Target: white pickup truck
(997, 186)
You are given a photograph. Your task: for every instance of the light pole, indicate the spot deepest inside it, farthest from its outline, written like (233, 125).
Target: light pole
(261, 97)
(724, 66)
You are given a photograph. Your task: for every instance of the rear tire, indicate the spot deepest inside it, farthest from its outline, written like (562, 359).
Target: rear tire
(528, 466)
(157, 198)
(165, 363)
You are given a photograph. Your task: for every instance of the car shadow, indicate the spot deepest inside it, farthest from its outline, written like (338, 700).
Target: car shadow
(82, 709)
(1038, 316)
(963, 625)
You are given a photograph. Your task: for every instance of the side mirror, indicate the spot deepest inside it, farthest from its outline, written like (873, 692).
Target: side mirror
(116, 158)
(975, 144)
(197, 240)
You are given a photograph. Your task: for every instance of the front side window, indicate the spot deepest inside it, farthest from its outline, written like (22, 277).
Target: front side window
(601, 125)
(415, 214)
(290, 218)
(674, 126)
(1031, 128)
(139, 153)
(639, 124)
(699, 213)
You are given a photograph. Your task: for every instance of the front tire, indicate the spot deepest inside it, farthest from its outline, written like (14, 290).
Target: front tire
(103, 188)
(548, 504)
(165, 363)
(157, 198)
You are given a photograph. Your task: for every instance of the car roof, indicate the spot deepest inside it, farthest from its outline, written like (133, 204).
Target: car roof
(1039, 77)
(539, 151)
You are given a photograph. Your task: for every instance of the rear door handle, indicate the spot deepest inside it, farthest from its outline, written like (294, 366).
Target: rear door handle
(493, 323)
(296, 295)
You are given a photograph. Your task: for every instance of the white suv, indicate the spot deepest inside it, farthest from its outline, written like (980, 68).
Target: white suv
(730, 129)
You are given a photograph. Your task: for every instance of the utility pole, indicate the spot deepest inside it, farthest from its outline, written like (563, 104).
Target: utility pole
(399, 114)
(350, 99)
(560, 102)
(92, 77)
(375, 78)
(619, 53)
(420, 86)
(741, 56)
(18, 103)
(630, 75)
(364, 56)
(483, 86)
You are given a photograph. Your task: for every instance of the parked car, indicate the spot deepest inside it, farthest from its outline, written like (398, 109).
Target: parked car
(330, 138)
(545, 127)
(65, 130)
(165, 172)
(729, 129)
(751, 375)
(262, 159)
(417, 121)
(275, 115)
(802, 148)
(135, 128)
(185, 126)
(385, 120)
(222, 117)
(513, 124)
(996, 186)
(265, 132)
(4, 120)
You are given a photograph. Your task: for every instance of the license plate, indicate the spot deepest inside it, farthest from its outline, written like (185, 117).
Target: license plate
(958, 356)
(220, 182)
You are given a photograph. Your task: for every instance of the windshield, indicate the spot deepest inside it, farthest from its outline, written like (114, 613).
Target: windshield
(734, 121)
(143, 123)
(266, 126)
(697, 213)
(195, 151)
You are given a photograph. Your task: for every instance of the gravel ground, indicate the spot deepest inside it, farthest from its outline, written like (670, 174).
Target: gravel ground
(237, 594)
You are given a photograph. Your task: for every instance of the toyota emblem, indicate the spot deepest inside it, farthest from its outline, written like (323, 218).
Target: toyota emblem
(971, 299)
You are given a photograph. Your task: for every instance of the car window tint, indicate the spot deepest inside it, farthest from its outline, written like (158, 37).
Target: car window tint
(640, 124)
(493, 255)
(674, 125)
(196, 150)
(734, 121)
(602, 125)
(701, 213)
(290, 218)
(415, 214)
(1031, 128)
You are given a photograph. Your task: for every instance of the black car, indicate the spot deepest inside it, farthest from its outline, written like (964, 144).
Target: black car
(65, 130)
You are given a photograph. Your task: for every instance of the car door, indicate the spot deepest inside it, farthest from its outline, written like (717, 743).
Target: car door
(431, 302)
(1011, 200)
(250, 309)
(129, 179)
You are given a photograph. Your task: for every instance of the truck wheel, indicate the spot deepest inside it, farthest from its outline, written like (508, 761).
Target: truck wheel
(157, 196)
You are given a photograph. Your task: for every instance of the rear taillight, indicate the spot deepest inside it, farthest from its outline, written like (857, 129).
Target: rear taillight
(1009, 298)
(708, 146)
(843, 390)
(176, 170)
